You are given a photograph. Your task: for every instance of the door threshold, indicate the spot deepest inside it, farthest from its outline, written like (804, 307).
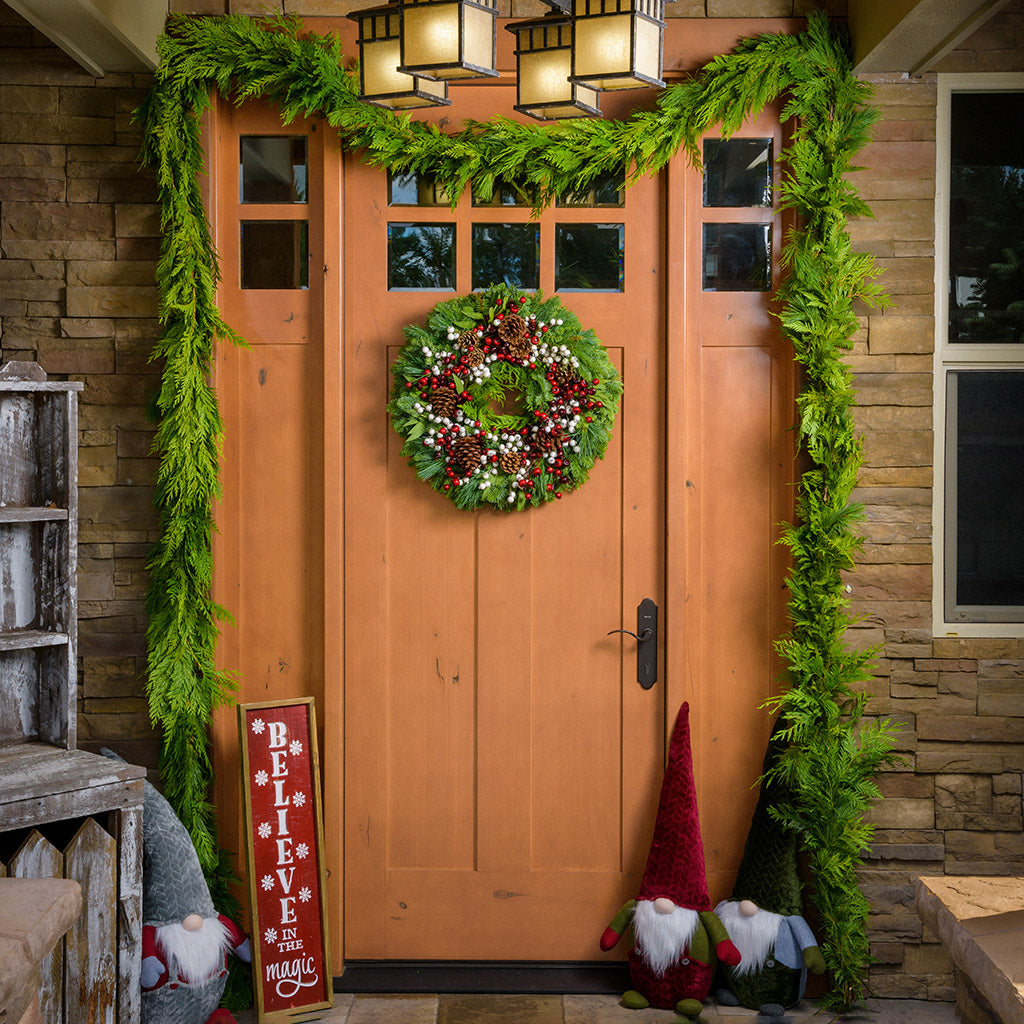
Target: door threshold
(508, 976)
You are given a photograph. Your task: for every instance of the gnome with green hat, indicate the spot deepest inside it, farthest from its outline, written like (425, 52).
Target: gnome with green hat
(763, 915)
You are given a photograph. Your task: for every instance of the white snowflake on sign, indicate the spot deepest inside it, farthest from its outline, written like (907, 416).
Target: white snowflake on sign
(261, 778)
(302, 851)
(295, 747)
(299, 798)
(264, 830)
(267, 881)
(270, 935)
(304, 894)
(258, 725)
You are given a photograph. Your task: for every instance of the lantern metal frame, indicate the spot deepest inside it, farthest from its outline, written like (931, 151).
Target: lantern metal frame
(382, 25)
(459, 69)
(647, 11)
(552, 32)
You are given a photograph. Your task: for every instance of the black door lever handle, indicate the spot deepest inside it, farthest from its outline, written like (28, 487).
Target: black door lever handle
(646, 636)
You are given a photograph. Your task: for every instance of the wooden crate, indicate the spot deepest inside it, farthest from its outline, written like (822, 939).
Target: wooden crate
(63, 812)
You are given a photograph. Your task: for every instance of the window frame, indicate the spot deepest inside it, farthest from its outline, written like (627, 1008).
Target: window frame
(950, 356)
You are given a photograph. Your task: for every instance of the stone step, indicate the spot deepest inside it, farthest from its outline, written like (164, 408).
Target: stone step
(980, 920)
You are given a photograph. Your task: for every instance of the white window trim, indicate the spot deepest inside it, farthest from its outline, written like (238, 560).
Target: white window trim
(953, 356)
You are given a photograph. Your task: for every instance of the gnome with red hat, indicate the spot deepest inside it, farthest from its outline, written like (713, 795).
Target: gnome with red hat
(677, 937)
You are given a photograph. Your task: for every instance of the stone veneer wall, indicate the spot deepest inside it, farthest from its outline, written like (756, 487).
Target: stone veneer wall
(78, 247)
(956, 807)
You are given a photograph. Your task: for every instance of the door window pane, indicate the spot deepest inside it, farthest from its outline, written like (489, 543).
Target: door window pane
(986, 218)
(275, 254)
(737, 257)
(607, 190)
(589, 257)
(411, 189)
(506, 254)
(421, 256)
(985, 473)
(737, 172)
(507, 195)
(273, 169)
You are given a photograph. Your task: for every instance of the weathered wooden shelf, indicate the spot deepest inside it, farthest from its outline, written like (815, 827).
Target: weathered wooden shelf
(39, 782)
(32, 514)
(26, 639)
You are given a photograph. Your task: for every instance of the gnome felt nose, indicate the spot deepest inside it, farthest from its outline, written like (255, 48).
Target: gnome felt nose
(192, 923)
(748, 908)
(663, 905)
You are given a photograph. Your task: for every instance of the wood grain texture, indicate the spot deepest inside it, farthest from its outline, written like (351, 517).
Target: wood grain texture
(91, 960)
(37, 857)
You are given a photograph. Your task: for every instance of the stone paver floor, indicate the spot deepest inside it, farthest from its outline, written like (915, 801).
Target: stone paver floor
(588, 1009)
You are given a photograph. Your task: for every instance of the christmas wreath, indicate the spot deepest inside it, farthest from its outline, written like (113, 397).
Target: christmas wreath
(503, 399)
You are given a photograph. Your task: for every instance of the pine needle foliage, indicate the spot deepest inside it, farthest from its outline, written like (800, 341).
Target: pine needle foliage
(834, 753)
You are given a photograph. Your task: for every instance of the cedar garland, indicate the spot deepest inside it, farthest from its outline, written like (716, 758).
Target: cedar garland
(833, 754)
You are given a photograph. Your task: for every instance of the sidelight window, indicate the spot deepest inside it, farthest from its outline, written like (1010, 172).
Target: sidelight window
(979, 357)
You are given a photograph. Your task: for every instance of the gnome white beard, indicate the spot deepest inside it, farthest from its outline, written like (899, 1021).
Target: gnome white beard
(662, 938)
(199, 955)
(753, 936)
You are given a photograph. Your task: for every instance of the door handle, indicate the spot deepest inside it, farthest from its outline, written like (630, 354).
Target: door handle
(646, 637)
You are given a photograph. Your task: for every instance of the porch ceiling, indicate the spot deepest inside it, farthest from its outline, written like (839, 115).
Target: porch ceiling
(888, 35)
(102, 35)
(912, 35)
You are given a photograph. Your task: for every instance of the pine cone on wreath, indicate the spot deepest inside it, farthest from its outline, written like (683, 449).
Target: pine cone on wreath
(474, 356)
(512, 328)
(519, 348)
(467, 340)
(564, 374)
(444, 402)
(510, 462)
(467, 451)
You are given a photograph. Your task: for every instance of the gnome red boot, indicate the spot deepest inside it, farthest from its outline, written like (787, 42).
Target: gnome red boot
(222, 1015)
(677, 939)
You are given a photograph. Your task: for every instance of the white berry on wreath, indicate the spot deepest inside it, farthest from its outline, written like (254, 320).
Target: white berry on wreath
(479, 452)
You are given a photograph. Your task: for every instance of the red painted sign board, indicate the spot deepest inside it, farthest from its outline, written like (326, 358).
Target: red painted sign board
(284, 841)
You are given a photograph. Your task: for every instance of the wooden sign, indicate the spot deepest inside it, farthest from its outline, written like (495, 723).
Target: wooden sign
(284, 843)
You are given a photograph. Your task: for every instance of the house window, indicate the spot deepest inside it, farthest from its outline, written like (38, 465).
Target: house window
(979, 378)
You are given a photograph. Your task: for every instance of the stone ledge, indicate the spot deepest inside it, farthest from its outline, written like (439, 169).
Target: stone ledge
(34, 914)
(980, 920)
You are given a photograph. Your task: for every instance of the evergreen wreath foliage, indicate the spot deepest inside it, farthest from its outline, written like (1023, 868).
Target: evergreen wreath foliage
(457, 377)
(834, 752)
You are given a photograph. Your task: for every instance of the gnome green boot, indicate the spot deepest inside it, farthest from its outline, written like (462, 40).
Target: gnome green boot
(689, 1008)
(632, 1000)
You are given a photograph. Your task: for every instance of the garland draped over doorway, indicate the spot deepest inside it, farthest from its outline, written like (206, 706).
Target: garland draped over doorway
(834, 752)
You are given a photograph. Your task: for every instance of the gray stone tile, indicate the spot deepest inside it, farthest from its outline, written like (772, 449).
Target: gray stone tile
(499, 1009)
(394, 1009)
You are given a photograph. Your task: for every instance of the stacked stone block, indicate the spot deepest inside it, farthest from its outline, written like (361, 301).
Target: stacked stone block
(78, 248)
(954, 807)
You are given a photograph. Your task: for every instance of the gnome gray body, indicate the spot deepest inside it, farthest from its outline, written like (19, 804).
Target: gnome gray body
(173, 887)
(174, 892)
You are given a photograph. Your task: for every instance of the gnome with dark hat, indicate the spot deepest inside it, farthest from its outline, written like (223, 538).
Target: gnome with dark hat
(677, 938)
(184, 941)
(763, 914)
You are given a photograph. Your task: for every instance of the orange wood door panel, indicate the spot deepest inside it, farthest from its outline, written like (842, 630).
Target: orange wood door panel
(499, 753)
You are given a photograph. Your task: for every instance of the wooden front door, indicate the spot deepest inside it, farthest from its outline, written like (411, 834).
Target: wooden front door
(500, 757)
(488, 753)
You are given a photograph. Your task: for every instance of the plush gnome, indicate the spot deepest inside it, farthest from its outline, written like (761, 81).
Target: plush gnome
(676, 937)
(763, 914)
(184, 941)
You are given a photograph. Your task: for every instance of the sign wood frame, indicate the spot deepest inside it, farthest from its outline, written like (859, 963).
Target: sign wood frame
(284, 845)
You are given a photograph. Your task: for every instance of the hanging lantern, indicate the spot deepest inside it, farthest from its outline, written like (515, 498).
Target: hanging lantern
(381, 83)
(448, 39)
(543, 67)
(617, 43)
